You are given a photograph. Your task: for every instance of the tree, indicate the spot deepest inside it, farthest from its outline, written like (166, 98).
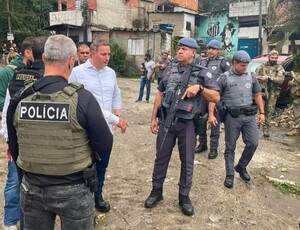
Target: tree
(208, 5)
(25, 17)
(284, 15)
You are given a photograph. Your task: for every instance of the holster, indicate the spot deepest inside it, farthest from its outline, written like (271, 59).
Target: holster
(222, 110)
(90, 177)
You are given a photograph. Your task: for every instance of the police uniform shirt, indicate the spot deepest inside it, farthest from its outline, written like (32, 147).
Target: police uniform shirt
(89, 116)
(204, 78)
(222, 81)
(224, 65)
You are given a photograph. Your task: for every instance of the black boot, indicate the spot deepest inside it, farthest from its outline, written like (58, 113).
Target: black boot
(186, 205)
(212, 154)
(154, 197)
(101, 205)
(229, 181)
(243, 173)
(200, 148)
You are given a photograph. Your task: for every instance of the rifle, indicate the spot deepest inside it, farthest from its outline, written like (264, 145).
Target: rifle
(171, 118)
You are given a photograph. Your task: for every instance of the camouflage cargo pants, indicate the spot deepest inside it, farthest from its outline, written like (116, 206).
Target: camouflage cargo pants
(270, 104)
(296, 110)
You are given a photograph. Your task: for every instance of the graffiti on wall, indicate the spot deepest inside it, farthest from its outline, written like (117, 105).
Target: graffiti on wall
(227, 34)
(219, 26)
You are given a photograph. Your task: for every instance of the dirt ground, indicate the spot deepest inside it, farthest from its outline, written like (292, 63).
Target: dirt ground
(256, 205)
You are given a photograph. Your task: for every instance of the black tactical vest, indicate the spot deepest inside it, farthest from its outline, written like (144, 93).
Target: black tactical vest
(175, 78)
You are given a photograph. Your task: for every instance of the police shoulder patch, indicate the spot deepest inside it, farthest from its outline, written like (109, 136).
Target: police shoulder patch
(208, 74)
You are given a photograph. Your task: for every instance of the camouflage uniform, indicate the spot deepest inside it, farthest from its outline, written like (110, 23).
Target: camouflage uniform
(271, 88)
(295, 93)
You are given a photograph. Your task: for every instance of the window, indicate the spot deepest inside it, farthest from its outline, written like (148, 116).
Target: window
(188, 26)
(136, 46)
(64, 6)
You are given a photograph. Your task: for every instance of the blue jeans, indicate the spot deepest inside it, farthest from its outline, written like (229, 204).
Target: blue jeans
(147, 83)
(74, 204)
(101, 170)
(11, 196)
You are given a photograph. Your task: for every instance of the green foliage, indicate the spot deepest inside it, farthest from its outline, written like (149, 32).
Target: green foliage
(117, 58)
(287, 187)
(27, 18)
(209, 6)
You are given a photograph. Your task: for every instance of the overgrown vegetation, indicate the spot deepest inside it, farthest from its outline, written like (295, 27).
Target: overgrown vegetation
(117, 58)
(286, 187)
(25, 18)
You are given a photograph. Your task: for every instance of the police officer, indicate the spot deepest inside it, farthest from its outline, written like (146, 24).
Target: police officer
(55, 130)
(237, 89)
(33, 71)
(271, 76)
(201, 84)
(216, 65)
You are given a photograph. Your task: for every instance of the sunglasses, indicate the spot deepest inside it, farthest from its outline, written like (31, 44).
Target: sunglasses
(84, 52)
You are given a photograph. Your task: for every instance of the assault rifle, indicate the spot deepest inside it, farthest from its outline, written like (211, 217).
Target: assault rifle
(171, 118)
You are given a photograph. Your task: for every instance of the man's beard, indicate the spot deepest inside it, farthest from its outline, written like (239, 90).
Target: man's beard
(273, 62)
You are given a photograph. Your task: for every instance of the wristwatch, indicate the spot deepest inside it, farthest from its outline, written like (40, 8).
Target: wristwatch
(201, 88)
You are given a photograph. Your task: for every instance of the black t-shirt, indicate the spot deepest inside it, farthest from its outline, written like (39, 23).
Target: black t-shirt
(89, 116)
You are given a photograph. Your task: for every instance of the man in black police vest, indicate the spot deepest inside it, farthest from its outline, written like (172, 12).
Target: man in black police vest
(200, 84)
(55, 131)
(216, 65)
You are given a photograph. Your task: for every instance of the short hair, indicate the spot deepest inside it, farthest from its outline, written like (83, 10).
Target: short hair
(97, 43)
(38, 47)
(273, 52)
(27, 44)
(148, 55)
(59, 48)
(82, 45)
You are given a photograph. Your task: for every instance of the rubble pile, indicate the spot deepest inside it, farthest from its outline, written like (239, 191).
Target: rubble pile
(284, 120)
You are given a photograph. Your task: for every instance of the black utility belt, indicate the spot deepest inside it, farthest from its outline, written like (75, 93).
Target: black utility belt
(248, 111)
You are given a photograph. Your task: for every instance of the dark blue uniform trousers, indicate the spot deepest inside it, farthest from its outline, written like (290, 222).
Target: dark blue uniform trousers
(185, 133)
(233, 127)
(214, 130)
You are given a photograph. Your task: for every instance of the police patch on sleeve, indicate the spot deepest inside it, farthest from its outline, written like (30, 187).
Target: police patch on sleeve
(53, 112)
(208, 74)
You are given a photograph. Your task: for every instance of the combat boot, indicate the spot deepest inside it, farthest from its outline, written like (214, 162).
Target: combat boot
(186, 205)
(243, 173)
(200, 148)
(293, 132)
(154, 197)
(266, 132)
(101, 205)
(229, 181)
(213, 153)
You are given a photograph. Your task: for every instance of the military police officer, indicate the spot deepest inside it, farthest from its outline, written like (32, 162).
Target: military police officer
(237, 89)
(216, 65)
(55, 130)
(271, 76)
(201, 84)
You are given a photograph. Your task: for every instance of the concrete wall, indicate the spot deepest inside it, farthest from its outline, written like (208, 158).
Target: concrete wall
(178, 19)
(154, 43)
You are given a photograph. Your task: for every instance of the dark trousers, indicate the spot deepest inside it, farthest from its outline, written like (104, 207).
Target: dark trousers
(233, 127)
(214, 130)
(101, 171)
(145, 82)
(74, 204)
(185, 133)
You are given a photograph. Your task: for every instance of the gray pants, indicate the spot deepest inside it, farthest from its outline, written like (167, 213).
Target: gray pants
(233, 127)
(185, 133)
(74, 204)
